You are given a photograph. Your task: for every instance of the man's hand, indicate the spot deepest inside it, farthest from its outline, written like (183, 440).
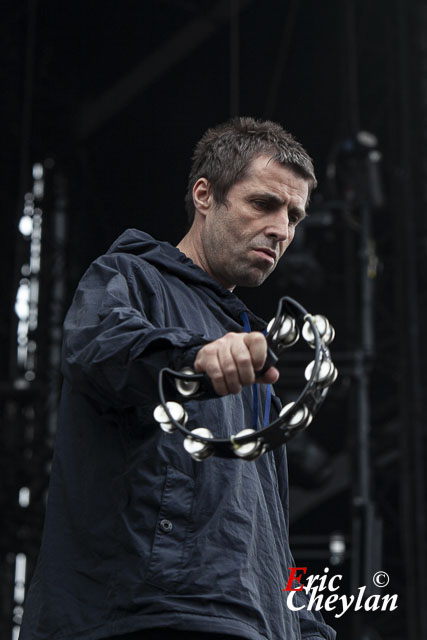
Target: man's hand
(232, 361)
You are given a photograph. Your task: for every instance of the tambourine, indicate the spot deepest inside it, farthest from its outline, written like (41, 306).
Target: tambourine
(283, 331)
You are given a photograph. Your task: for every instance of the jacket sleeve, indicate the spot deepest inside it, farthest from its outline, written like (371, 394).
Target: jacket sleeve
(115, 341)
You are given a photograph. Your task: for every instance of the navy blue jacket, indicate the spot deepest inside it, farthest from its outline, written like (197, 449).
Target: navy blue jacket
(138, 534)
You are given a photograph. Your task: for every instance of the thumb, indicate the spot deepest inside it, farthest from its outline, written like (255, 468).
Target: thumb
(270, 376)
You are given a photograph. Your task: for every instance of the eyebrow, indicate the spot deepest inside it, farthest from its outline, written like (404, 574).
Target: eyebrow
(272, 198)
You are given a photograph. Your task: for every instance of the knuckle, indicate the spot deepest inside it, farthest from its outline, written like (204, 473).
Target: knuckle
(215, 375)
(258, 337)
(244, 359)
(204, 354)
(230, 336)
(229, 369)
(256, 340)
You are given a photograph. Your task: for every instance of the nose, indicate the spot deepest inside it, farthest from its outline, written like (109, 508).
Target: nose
(278, 227)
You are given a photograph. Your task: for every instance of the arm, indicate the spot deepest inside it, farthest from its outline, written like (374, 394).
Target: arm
(115, 340)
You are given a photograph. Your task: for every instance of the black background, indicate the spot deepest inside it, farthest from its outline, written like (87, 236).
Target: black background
(324, 70)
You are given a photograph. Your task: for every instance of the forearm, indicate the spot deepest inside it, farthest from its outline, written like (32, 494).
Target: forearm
(112, 349)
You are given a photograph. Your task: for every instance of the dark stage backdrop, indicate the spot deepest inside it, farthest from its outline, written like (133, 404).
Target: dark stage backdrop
(111, 97)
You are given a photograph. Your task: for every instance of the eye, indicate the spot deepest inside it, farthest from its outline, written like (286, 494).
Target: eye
(294, 218)
(260, 204)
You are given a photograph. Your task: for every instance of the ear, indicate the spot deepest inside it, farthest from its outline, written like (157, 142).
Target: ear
(202, 196)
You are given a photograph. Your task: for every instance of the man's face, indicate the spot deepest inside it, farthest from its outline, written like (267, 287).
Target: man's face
(243, 240)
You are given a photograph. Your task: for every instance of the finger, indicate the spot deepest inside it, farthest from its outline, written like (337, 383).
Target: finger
(214, 370)
(245, 371)
(216, 361)
(270, 376)
(257, 345)
(207, 362)
(227, 358)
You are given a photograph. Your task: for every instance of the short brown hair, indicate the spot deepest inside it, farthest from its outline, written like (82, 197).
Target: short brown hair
(224, 153)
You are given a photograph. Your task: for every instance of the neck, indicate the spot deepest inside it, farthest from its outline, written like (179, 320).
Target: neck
(190, 245)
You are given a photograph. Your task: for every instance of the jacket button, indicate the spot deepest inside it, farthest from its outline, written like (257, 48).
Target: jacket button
(166, 526)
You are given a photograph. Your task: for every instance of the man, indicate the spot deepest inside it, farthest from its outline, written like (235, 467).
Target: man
(140, 540)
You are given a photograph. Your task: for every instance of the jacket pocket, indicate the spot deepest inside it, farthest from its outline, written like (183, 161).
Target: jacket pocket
(173, 523)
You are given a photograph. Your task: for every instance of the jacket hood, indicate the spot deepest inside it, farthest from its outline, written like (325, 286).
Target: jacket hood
(166, 257)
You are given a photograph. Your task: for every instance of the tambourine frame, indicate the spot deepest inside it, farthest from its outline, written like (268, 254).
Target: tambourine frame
(279, 431)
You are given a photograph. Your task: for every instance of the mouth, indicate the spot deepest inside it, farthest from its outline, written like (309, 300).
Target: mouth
(268, 254)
